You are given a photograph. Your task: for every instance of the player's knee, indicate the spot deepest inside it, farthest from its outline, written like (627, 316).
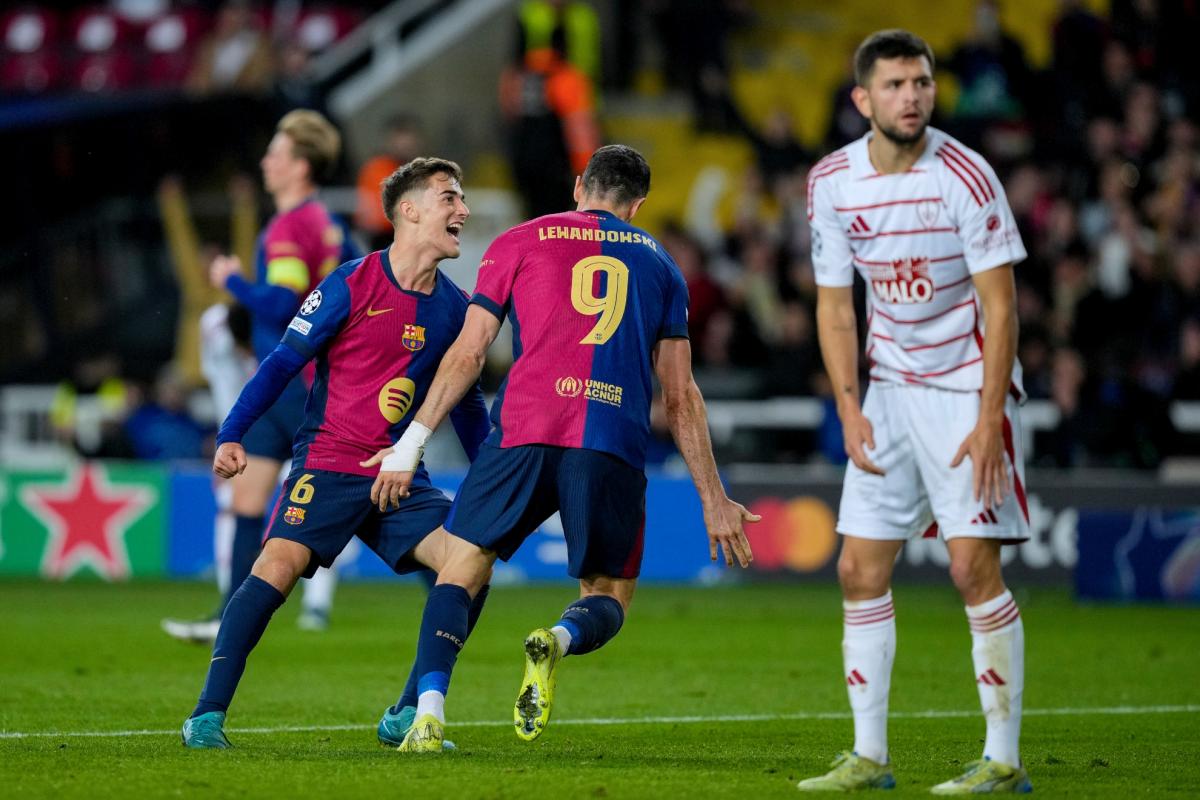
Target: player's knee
(280, 573)
(976, 579)
(861, 577)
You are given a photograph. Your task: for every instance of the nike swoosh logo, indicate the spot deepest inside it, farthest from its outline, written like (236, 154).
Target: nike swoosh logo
(374, 312)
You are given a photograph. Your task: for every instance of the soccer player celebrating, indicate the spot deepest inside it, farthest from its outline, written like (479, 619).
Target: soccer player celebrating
(596, 306)
(377, 327)
(300, 245)
(937, 441)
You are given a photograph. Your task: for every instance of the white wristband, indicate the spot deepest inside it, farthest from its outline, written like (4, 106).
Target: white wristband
(406, 453)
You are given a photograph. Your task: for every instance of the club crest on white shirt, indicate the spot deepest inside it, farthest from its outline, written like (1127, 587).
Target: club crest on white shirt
(927, 211)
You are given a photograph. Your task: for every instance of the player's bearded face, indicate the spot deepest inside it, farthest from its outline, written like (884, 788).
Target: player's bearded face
(901, 98)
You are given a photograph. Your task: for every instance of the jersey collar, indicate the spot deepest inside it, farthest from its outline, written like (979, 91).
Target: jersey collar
(385, 264)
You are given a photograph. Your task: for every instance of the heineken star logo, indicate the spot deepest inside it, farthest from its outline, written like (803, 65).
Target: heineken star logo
(87, 518)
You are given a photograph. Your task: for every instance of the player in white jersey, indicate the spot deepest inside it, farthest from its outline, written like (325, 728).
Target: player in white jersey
(936, 443)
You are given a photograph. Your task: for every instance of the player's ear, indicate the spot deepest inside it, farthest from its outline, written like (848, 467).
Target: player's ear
(862, 100)
(578, 194)
(408, 209)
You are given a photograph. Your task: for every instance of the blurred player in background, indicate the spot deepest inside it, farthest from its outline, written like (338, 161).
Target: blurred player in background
(937, 441)
(597, 306)
(300, 245)
(377, 327)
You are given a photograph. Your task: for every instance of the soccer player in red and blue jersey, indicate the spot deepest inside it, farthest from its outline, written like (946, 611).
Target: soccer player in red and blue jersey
(377, 328)
(596, 307)
(300, 245)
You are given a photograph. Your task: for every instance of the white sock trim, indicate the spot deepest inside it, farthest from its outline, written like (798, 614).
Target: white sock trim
(564, 638)
(432, 702)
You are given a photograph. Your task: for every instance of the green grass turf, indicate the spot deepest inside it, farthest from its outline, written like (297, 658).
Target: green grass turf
(90, 657)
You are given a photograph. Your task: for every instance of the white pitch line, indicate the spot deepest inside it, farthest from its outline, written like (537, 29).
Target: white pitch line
(803, 715)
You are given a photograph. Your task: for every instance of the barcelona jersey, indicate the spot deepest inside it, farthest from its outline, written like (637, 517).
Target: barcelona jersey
(377, 348)
(296, 250)
(589, 296)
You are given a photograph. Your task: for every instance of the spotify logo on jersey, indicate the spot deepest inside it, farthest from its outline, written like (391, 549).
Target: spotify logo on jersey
(395, 399)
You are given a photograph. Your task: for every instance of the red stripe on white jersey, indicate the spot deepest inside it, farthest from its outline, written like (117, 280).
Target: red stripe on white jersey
(906, 233)
(888, 203)
(966, 182)
(938, 260)
(975, 170)
(915, 348)
(890, 318)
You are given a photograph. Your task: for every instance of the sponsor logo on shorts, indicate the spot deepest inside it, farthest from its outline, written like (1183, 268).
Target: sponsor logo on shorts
(293, 515)
(311, 303)
(396, 398)
(300, 326)
(413, 337)
(904, 281)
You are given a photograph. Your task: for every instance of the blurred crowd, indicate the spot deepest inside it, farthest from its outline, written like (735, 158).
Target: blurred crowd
(1098, 151)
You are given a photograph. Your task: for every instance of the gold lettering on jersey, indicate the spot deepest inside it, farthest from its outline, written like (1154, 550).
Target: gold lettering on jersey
(602, 392)
(595, 235)
(902, 282)
(396, 398)
(568, 386)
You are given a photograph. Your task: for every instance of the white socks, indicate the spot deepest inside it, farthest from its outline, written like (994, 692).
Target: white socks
(564, 638)
(868, 649)
(318, 590)
(998, 650)
(432, 702)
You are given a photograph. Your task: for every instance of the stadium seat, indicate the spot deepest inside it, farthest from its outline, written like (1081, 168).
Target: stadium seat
(318, 28)
(170, 43)
(103, 59)
(29, 59)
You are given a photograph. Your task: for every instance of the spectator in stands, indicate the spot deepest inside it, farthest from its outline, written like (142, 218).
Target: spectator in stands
(550, 108)
(993, 75)
(568, 27)
(161, 427)
(236, 57)
(705, 296)
(401, 141)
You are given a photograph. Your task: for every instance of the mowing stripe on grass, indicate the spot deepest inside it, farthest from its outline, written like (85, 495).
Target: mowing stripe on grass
(803, 715)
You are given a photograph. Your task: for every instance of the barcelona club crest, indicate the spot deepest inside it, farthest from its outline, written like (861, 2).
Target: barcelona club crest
(293, 515)
(414, 336)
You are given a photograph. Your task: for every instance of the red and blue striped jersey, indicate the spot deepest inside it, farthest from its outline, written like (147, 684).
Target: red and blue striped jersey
(377, 348)
(588, 296)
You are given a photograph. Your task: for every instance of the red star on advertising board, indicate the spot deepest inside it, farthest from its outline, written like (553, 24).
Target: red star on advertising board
(87, 518)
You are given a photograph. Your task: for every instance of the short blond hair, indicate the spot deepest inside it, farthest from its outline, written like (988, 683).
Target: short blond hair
(314, 139)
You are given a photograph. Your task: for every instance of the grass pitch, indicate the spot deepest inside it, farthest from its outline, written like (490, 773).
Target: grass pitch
(723, 692)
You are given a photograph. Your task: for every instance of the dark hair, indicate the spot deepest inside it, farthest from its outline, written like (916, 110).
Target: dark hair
(617, 173)
(414, 175)
(314, 139)
(892, 43)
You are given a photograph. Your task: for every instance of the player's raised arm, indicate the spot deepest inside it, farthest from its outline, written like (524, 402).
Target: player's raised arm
(985, 444)
(837, 331)
(688, 420)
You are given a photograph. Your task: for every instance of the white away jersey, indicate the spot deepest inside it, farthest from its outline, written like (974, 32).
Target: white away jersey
(916, 238)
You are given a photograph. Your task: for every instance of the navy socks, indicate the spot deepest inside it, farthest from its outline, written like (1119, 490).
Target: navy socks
(247, 542)
(245, 619)
(409, 696)
(443, 634)
(592, 621)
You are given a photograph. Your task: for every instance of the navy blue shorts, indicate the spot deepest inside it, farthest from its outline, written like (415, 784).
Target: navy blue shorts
(272, 434)
(322, 510)
(510, 491)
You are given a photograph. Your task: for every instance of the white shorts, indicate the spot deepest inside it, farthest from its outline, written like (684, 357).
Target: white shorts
(917, 431)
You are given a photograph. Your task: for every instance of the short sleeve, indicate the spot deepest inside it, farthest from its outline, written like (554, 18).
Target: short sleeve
(497, 271)
(320, 317)
(980, 208)
(832, 259)
(675, 316)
